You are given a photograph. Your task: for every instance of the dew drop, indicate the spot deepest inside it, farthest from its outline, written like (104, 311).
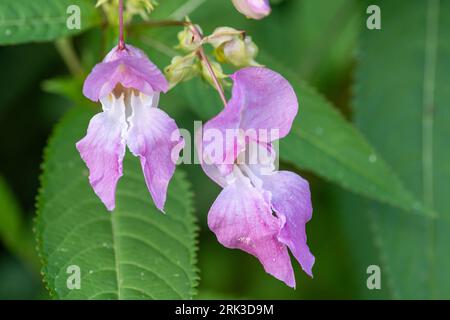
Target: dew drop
(372, 158)
(8, 32)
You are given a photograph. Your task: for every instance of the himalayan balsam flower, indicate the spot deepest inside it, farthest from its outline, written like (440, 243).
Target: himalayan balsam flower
(255, 9)
(128, 85)
(260, 210)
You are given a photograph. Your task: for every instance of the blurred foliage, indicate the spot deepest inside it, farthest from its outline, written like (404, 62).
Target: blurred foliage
(311, 40)
(411, 104)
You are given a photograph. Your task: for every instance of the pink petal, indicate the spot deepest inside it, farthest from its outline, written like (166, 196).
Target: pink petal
(265, 101)
(291, 200)
(262, 108)
(255, 9)
(241, 218)
(219, 145)
(103, 149)
(129, 67)
(154, 137)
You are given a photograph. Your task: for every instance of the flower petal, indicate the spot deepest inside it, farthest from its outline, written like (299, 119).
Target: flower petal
(255, 9)
(241, 218)
(129, 67)
(155, 138)
(262, 108)
(219, 143)
(103, 149)
(291, 200)
(265, 100)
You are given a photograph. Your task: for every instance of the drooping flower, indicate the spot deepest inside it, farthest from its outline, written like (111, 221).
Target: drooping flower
(260, 210)
(128, 85)
(255, 9)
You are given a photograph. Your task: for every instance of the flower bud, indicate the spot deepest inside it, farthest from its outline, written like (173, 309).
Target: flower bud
(233, 46)
(217, 69)
(187, 41)
(255, 9)
(181, 69)
(132, 7)
(239, 52)
(222, 35)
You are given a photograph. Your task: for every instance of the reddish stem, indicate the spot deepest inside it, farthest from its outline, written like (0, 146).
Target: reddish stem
(121, 37)
(203, 56)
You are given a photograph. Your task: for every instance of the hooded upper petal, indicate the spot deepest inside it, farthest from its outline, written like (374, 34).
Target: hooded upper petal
(103, 149)
(262, 108)
(154, 137)
(129, 67)
(265, 100)
(242, 218)
(291, 200)
(255, 9)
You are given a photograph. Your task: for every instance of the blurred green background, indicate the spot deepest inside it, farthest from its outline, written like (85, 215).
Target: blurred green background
(319, 40)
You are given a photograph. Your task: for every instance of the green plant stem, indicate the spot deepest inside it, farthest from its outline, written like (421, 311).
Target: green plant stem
(69, 56)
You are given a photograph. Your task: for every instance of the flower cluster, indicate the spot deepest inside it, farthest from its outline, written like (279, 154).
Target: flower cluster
(230, 46)
(260, 210)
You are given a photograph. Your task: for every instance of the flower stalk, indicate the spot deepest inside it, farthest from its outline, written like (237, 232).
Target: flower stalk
(121, 37)
(202, 56)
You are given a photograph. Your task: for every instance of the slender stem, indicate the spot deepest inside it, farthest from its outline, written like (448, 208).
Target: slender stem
(197, 34)
(205, 59)
(69, 56)
(121, 38)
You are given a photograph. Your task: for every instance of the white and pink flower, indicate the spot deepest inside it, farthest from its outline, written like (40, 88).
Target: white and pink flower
(128, 85)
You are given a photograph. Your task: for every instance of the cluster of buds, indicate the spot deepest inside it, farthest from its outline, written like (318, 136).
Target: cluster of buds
(230, 46)
(141, 8)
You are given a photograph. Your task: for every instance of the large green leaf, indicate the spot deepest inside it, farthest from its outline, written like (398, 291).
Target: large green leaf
(42, 20)
(135, 252)
(401, 105)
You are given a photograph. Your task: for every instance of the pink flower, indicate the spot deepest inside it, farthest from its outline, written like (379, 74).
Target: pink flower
(128, 84)
(255, 9)
(260, 210)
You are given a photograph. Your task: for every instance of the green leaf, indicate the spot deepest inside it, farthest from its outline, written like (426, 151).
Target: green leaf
(135, 252)
(42, 20)
(402, 95)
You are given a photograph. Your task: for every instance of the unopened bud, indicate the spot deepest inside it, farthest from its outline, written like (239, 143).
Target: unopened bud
(181, 69)
(187, 40)
(218, 72)
(132, 7)
(222, 35)
(238, 52)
